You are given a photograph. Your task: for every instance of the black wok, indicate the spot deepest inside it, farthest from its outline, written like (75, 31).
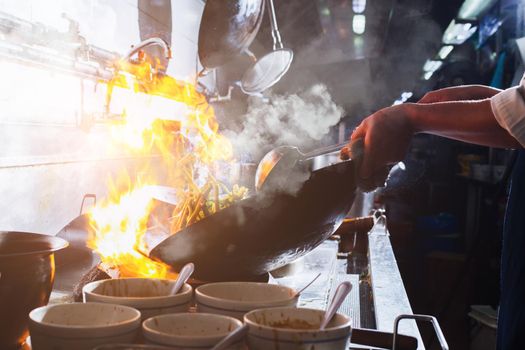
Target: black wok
(227, 29)
(263, 232)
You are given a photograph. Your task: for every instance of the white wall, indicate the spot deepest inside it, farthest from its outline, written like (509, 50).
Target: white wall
(47, 161)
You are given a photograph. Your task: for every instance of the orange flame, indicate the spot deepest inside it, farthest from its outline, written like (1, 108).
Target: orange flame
(170, 123)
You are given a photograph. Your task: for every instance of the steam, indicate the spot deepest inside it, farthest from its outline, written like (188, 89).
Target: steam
(298, 120)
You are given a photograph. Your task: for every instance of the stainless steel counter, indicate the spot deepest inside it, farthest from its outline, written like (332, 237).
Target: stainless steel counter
(389, 295)
(381, 277)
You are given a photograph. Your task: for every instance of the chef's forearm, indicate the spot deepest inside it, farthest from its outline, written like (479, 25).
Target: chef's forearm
(459, 93)
(473, 92)
(469, 121)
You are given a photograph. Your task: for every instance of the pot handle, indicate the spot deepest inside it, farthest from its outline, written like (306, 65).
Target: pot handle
(426, 318)
(86, 196)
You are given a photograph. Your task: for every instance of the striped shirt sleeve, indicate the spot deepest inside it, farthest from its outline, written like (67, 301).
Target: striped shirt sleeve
(508, 107)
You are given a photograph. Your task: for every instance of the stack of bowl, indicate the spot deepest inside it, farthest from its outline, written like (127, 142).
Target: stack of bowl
(82, 326)
(151, 296)
(296, 328)
(235, 299)
(190, 330)
(114, 309)
(273, 320)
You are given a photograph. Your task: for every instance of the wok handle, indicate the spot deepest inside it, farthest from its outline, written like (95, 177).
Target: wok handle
(89, 195)
(360, 224)
(378, 339)
(325, 150)
(355, 150)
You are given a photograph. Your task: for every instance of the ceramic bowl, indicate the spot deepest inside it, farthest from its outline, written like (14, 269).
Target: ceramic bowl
(82, 326)
(148, 295)
(237, 298)
(189, 330)
(296, 328)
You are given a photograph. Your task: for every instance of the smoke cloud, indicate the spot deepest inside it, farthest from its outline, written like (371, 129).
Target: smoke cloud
(297, 119)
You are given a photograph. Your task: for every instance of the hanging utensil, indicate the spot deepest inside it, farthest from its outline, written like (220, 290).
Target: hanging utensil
(227, 29)
(270, 68)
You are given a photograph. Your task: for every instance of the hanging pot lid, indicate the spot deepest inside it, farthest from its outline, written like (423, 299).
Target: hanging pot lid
(227, 29)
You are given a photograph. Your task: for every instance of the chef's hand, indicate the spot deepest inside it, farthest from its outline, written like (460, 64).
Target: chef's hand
(386, 134)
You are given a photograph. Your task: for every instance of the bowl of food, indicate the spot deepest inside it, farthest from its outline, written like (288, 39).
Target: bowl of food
(189, 330)
(151, 296)
(27, 270)
(237, 298)
(82, 326)
(296, 328)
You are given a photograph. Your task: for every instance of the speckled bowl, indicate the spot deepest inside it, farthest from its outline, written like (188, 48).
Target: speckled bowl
(82, 326)
(234, 299)
(183, 331)
(150, 296)
(296, 329)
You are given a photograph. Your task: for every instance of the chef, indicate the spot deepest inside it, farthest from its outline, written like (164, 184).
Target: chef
(479, 115)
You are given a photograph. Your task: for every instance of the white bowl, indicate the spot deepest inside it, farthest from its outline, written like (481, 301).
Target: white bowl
(183, 331)
(148, 295)
(296, 328)
(237, 298)
(82, 326)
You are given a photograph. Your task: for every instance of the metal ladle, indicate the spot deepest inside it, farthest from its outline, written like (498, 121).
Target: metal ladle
(282, 161)
(285, 162)
(270, 68)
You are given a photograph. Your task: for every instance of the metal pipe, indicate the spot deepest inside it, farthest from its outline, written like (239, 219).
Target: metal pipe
(151, 41)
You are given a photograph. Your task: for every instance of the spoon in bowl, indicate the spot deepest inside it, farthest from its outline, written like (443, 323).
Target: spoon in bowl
(184, 275)
(231, 338)
(298, 294)
(339, 296)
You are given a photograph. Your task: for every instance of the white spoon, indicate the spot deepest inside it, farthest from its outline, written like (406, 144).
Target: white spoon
(339, 296)
(231, 338)
(184, 275)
